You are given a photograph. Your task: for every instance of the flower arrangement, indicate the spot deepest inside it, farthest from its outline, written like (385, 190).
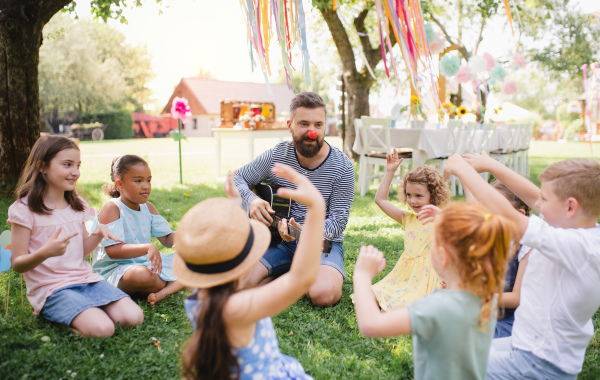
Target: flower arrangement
(180, 109)
(462, 111)
(415, 108)
(258, 118)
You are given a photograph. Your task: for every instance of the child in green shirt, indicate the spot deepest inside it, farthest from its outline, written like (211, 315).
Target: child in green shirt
(452, 328)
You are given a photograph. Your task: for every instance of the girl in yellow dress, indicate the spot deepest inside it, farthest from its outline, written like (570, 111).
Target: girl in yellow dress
(412, 277)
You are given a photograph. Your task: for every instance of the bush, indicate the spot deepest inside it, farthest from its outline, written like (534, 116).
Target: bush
(563, 118)
(573, 128)
(119, 124)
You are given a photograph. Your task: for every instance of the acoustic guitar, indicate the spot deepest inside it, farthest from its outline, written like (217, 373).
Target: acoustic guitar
(282, 207)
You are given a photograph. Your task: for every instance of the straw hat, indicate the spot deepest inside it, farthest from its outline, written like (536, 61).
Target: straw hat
(217, 243)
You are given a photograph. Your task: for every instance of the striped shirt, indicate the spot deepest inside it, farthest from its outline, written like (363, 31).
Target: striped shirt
(334, 178)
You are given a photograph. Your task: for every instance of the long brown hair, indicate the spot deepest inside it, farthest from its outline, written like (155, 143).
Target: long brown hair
(32, 183)
(207, 354)
(482, 243)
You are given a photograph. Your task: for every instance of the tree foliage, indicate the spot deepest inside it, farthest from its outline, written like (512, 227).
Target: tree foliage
(88, 67)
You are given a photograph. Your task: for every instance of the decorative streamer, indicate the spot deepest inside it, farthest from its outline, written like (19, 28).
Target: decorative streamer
(286, 17)
(507, 6)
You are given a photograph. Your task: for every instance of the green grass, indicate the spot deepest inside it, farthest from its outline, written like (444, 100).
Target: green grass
(326, 341)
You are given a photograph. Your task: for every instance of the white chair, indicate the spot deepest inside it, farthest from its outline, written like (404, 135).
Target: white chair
(506, 154)
(451, 145)
(376, 144)
(488, 131)
(467, 143)
(522, 149)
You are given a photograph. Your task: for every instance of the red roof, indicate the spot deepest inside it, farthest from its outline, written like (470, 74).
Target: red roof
(136, 116)
(210, 92)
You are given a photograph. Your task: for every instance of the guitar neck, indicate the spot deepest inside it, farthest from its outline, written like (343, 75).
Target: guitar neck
(293, 231)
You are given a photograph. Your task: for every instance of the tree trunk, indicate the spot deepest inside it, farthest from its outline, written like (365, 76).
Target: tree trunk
(358, 105)
(21, 25)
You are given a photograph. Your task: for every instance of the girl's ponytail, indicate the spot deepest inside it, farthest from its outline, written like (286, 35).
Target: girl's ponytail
(483, 243)
(208, 353)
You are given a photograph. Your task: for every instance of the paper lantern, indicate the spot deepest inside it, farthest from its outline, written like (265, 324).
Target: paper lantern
(449, 65)
(478, 64)
(464, 74)
(429, 33)
(437, 46)
(490, 61)
(497, 74)
(517, 61)
(509, 87)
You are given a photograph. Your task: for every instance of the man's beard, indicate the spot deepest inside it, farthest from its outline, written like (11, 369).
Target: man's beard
(305, 150)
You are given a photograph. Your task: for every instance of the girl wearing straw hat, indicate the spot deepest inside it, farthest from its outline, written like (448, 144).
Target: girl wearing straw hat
(234, 336)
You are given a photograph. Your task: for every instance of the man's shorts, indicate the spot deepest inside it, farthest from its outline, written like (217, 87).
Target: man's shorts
(278, 259)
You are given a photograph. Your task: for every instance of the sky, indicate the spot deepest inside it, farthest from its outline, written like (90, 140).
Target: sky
(183, 36)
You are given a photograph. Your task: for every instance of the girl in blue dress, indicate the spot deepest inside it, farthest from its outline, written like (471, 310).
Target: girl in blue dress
(136, 266)
(234, 336)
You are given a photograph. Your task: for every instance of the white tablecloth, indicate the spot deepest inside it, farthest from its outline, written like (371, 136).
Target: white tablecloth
(429, 143)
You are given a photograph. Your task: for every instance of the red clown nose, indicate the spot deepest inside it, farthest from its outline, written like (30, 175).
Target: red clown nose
(312, 134)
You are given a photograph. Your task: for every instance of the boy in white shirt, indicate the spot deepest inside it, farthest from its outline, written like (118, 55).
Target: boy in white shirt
(561, 286)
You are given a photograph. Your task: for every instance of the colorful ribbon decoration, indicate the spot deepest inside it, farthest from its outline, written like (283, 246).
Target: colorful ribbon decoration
(290, 28)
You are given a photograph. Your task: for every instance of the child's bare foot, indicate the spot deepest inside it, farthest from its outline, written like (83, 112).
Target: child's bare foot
(154, 298)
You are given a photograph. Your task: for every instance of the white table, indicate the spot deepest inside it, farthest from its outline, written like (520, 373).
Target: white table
(428, 143)
(247, 134)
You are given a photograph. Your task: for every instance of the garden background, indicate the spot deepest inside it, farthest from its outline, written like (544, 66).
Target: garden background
(326, 341)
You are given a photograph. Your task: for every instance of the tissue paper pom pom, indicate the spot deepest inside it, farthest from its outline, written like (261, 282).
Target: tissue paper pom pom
(437, 46)
(517, 61)
(478, 64)
(449, 65)
(464, 74)
(429, 33)
(497, 73)
(490, 61)
(509, 87)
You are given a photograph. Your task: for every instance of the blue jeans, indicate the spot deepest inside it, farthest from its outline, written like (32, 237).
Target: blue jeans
(278, 259)
(507, 362)
(504, 327)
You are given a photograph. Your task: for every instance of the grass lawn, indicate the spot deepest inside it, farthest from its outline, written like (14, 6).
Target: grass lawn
(326, 341)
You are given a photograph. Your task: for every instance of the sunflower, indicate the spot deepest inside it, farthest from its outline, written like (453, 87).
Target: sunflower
(414, 99)
(462, 110)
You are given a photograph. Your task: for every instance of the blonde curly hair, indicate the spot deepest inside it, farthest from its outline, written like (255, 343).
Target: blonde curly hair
(431, 178)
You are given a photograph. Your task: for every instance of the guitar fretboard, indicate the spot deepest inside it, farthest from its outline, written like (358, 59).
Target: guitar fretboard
(293, 231)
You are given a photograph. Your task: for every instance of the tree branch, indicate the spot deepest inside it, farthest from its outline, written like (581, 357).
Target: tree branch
(340, 38)
(459, 45)
(480, 36)
(373, 54)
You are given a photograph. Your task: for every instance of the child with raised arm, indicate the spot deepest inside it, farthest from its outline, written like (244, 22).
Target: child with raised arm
(452, 328)
(134, 264)
(234, 335)
(516, 267)
(412, 276)
(50, 243)
(561, 287)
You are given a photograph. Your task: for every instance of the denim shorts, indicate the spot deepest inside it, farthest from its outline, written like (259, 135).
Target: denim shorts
(66, 303)
(279, 259)
(504, 327)
(508, 362)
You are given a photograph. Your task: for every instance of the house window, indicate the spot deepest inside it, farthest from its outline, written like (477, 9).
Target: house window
(194, 123)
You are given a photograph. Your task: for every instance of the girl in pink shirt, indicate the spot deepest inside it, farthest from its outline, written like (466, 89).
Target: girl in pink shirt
(49, 244)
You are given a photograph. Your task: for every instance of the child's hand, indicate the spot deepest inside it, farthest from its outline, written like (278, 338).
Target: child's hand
(56, 246)
(428, 213)
(105, 232)
(393, 162)
(453, 165)
(305, 192)
(370, 262)
(155, 259)
(231, 190)
(479, 161)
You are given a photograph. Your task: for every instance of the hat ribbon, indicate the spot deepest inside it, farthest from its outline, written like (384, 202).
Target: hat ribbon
(224, 266)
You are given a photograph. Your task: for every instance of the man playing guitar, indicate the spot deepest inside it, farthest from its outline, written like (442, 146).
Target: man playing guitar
(329, 170)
